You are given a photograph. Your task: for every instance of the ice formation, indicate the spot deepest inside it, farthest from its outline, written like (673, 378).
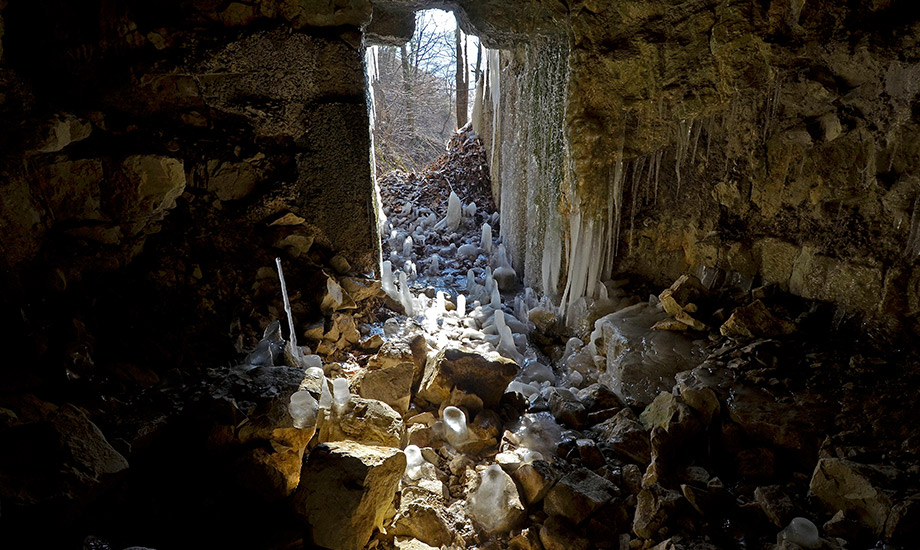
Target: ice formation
(292, 338)
(456, 432)
(407, 247)
(486, 238)
(340, 393)
(386, 279)
(496, 300)
(538, 432)
(454, 210)
(303, 408)
(325, 396)
(495, 505)
(461, 305)
(801, 531)
(414, 462)
(405, 297)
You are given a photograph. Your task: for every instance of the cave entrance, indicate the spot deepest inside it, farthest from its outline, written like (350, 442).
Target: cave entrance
(419, 95)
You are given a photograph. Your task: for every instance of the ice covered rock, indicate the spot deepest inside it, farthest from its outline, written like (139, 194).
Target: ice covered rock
(641, 362)
(486, 376)
(538, 432)
(495, 506)
(468, 250)
(345, 491)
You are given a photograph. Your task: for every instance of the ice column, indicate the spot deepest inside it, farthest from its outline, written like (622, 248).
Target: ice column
(456, 431)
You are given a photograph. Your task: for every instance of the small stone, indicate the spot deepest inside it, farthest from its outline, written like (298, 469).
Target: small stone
(340, 264)
(653, 508)
(422, 521)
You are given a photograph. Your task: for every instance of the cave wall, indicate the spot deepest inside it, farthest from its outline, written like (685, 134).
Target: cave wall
(771, 140)
(155, 157)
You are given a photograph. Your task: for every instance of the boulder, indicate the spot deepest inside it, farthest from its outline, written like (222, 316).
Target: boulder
(62, 461)
(776, 504)
(486, 376)
(366, 421)
(409, 350)
(345, 491)
(579, 494)
(857, 489)
(557, 533)
(567, 409)
(626, 436)
(60, 132)
(392, 385)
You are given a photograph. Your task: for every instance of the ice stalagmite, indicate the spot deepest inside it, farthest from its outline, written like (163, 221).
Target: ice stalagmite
(386, 280)
(303, 408)
(456, 431)
(461, 305)
(452, 220)
(405, 297)
(486, 238)
(340, 392)
(407, 247)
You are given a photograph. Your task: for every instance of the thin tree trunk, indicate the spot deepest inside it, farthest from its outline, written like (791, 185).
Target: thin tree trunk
(478, 60)
(463, 86)
(407, 88)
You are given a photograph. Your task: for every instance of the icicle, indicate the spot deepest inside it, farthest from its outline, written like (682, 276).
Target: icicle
(552, 262)
(617, 204)
(696, 141)
(658, 156)
(683, 143)
(292, 339)
(638, 165)
(912, 250)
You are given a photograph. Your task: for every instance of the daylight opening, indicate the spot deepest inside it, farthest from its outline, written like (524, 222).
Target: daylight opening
(420, 97)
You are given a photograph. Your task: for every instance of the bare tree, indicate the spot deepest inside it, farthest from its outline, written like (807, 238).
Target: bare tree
(463, 80)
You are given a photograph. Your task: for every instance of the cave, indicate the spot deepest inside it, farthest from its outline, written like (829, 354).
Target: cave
(661, 292)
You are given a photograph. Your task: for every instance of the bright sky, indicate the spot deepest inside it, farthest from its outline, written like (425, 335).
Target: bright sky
(445, 21)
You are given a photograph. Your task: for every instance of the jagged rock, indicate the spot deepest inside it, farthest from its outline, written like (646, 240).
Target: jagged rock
(335, 298)
(840, 526)
(536, 479)
(413, 350)
(60, 132)
(763, 419)
(578, 494)
(295, 245)
(411, 544)
(366, 421)
(660, 411)
(776, 504)
(700, 398)
(557, 534)
(598, 397)
(567, 409)
(345, 491)
(591, 457)
(422, 521)
(685, 290)
(343, 331)
(653, 508)
(903, 524)
(754, 321)
(392, 385)
(626, 437)
(854, 488)
(527, 539)
(232, 180)
(486, 376)
(361, 289)
(61, 462)
(155, 182)
(495, 505)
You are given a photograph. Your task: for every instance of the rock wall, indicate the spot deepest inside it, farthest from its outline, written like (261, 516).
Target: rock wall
(773, 141)
(154, 157)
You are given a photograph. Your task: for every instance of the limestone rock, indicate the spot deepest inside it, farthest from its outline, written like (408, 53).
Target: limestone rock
(62, 459)
(392, 385)
(422, 521)
(366, 421)
(403, 543)
(155, 182)
(231, 180)
(566, 409)
(754, 320)
(854, 488)
(335, 298)
(60, 132)
(626, 437)
(660, 411)
(486, 376)
(776, 504)
(536, 479)
(653, 508)
(578, 494)
(345, 491)
(408, 350)
(557, 533)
